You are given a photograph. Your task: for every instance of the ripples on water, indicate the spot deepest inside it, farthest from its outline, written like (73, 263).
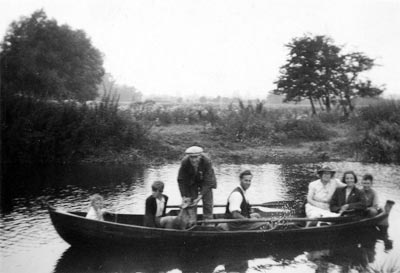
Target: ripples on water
(27, 235)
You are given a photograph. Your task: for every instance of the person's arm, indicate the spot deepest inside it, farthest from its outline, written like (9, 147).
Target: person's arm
(375, 200)
(165, 204)
(237, 215)
(339, 184)
(150, 213)
(360, 202)
(235, 200)
(334, 203)
(182, 181)
(209, 179)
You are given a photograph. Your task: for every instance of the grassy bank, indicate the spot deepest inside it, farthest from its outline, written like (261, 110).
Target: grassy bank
(43, 132)
(253, 133)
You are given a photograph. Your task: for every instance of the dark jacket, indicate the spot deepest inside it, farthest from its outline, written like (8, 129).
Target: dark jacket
(151, 210)
(356, 200)
(191, 182)
(244, 206)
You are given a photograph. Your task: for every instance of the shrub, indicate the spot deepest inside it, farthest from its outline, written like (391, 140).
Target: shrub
(37, 131)
(333, 117)
(376, 134)
(305, 129)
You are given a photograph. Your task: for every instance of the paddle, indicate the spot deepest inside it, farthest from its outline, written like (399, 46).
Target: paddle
(272, 204)
(283, 219)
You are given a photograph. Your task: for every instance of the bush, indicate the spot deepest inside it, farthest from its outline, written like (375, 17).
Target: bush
(333, 117)
(37, 131)
(376, 134)
(305, 129)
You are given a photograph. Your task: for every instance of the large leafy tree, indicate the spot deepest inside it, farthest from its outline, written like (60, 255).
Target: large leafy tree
(42, 59)
(349, 85)
(317, 70)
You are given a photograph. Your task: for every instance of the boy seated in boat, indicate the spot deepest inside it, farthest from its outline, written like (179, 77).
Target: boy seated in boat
(348, 198)
(156, 205)
(96, 211)
(371, 197)
(238, 207)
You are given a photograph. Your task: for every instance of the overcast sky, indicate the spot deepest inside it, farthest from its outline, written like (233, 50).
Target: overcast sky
(221, 47)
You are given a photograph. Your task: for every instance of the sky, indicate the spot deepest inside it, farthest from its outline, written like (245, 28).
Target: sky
(220, 47)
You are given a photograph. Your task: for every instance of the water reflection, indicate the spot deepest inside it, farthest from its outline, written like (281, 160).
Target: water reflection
(343, 255)
(26, 185)
(27, 233)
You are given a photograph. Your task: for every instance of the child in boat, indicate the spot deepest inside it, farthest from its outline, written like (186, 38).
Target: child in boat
(370, 195)
(96, 210)
(156, 205)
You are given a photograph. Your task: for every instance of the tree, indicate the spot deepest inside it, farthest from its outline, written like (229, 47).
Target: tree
(317, 70)
(349, 86)
(42, 59)
(126, 93)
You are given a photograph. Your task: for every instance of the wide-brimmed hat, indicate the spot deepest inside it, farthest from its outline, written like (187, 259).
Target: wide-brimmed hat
(194, 150)
(327, 169)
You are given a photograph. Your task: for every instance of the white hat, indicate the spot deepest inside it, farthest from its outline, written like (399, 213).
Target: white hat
(194, 150)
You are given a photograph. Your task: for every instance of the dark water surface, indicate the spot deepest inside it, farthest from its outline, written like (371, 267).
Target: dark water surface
(29, 242)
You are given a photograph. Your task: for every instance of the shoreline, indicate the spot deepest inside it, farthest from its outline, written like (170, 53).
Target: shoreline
(170, 142)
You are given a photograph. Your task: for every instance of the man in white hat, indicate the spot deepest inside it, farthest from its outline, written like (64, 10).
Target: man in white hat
(196, 179)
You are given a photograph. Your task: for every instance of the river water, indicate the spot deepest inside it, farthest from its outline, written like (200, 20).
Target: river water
(29, 242)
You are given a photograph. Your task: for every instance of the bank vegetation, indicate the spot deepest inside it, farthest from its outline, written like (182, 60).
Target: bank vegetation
(51, 112)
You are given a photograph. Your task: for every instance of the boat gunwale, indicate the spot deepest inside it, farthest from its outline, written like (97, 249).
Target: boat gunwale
(376, 218)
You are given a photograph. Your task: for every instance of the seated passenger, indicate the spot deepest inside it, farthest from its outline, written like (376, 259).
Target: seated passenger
(320, 193)
(156, 205)
(96, 210)
(349, 197)
(371, 198)
(238, 206)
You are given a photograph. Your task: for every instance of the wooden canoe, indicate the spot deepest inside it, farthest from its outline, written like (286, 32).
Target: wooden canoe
(127, 230)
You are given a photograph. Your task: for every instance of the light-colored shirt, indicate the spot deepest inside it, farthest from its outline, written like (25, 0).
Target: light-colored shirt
(160, 206)
(95, 215)
(235, 200)
(348, 191)
(322, 194)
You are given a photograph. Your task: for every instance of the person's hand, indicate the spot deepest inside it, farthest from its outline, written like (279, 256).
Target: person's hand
(343, 209)
(197, 200)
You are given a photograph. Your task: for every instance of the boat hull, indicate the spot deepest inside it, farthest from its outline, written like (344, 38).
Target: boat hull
(79, 231)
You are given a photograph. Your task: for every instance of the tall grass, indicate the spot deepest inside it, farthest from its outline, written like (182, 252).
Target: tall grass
(174, 114)
(36, 131)
(242, 122)
(270, 126)
(376, 133)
